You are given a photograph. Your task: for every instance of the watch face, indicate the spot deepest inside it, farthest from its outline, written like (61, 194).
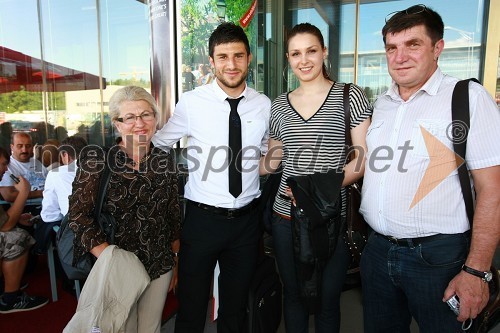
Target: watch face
(488, 276)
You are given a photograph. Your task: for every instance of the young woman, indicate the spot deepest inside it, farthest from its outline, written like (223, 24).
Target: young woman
(307, 134)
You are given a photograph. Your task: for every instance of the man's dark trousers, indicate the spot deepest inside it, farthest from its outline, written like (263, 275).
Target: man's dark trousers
(207, 237)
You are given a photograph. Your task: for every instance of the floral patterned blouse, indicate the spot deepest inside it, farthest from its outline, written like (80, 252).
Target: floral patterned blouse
(144, 203)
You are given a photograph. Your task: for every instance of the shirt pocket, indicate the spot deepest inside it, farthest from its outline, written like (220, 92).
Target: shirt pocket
(372, 135)
(436, 133)
(253, 131)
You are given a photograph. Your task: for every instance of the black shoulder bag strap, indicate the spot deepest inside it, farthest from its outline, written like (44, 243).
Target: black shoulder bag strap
(101, 194)
(347, 120)
(460, 117)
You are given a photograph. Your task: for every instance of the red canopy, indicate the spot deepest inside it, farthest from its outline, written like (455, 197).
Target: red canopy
(18, 69)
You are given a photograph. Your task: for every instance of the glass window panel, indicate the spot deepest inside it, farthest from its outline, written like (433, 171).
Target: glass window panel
(126, 52)
(463, 21)
(21, 102)
(70, 51)
(497, 94)
(196, 21)
(337, 25)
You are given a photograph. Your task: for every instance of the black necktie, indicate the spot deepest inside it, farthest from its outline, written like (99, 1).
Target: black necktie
(234, 154)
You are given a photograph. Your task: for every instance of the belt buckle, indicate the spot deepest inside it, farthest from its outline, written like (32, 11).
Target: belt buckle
(230, 213)
(393, 240)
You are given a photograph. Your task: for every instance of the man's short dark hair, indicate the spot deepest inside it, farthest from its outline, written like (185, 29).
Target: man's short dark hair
(227, 32)
(5, 154)
(413, 16)
(72, 145)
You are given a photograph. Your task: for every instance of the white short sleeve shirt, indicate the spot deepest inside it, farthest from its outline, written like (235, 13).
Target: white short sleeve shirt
(403, 139)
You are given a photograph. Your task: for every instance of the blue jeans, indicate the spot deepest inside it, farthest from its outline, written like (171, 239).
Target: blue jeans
(401, 282)
(295, 314)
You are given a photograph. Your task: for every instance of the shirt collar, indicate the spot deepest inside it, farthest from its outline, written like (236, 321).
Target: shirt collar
(221, 94)
(430, 87)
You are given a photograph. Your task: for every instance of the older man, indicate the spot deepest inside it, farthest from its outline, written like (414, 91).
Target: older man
(23, 164)
(423, 250)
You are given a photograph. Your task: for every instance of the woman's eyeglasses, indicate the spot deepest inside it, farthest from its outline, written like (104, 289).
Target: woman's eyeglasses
(417, 9)
(130, 119)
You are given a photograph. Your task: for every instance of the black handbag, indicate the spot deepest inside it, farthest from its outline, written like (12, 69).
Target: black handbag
(356, 227)
(65, 235)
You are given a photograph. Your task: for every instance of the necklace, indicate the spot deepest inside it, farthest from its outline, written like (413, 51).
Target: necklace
(143, 159)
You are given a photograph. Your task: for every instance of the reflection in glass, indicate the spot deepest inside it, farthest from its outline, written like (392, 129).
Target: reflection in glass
(461, 55)
(497, 94)
(196, 22)
(50, 68)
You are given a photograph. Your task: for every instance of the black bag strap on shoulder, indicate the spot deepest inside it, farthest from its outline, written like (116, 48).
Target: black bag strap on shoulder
(347, 118)
(106, 175)
(101, 194)
(460, 117)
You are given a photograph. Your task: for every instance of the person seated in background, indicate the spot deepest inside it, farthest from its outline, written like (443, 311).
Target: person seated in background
(198, 71)
(14, 245)
(61, 133)
(23, 164)
(50, 155)
(188, 78)
(206, 76)
(57, 189)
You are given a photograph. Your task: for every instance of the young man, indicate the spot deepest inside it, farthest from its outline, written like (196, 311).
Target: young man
(221, 223)
(58, 187)
(14, 245)
(422, 251)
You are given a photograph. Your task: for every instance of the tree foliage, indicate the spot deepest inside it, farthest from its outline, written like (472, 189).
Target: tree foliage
(23, 100)
(199, 19)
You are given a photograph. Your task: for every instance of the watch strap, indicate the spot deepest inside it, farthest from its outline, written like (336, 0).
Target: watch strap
(475, 272)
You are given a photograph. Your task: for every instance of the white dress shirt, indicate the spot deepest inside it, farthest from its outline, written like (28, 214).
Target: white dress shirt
(203, 116)
(391, 182)
(58, 187)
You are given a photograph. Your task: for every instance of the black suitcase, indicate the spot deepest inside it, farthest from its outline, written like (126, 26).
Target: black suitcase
(265, 298)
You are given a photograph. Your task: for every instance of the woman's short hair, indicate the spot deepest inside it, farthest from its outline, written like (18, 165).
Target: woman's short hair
(130, 93)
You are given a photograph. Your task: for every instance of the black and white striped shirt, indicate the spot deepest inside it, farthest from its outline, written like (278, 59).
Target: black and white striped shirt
(316, 144)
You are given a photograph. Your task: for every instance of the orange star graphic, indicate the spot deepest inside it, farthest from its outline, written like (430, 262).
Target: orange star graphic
(443, 161)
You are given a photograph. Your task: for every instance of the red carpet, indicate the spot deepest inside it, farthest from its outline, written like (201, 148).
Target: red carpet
(52, 318)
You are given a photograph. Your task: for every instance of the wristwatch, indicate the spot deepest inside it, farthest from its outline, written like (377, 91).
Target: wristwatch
(485, 276)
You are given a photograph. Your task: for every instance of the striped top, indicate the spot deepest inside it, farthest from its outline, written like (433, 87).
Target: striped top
(316, 144)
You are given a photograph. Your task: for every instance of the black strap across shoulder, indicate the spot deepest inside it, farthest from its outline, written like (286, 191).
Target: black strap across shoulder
(106, 175)
(460, 116)
(347, 117)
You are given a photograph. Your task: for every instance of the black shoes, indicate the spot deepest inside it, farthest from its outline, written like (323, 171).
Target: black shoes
(23, 303)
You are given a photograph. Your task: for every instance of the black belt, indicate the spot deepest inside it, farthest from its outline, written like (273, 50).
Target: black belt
(228, 212)
(411, 242)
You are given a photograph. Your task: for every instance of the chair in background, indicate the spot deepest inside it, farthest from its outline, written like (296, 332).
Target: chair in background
(52, 271)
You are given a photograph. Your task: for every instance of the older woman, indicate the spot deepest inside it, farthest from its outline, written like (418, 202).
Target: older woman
(142, 195)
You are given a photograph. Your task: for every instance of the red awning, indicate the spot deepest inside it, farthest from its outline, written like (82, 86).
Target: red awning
(18, 69)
